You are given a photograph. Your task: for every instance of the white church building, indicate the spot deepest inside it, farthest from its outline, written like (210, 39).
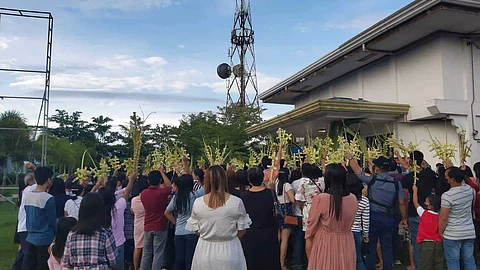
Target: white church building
(416, 71)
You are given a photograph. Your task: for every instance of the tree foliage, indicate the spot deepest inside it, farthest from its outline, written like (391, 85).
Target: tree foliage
(71, 136)
(15, 136)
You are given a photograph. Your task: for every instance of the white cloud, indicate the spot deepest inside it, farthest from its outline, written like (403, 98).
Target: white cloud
(85, 80)
(181, 46)
(123, 5)
(4, 43)
(264, 82)
(114, 73)
(7, 63)
(155, 61)
(304, 27)
(360, 22)
(117, 62)
(179, 85)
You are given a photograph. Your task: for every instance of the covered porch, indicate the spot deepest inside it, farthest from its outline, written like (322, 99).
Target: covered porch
(318, 118)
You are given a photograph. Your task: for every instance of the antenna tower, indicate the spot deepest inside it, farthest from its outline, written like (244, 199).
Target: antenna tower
(241, 73)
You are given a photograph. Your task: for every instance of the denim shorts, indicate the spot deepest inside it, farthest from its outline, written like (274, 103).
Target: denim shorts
(287, 210)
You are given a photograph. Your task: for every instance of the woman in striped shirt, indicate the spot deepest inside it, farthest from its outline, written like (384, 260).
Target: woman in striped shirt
(361, 224)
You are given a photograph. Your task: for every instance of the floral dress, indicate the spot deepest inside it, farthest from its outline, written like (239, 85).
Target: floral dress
(307, 190)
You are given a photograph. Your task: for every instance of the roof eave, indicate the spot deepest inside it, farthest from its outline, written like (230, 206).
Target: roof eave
(386, 24)
(331, 106)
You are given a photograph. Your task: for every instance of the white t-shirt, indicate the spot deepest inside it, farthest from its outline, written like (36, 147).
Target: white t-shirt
(296, 209)
(284, 197)
(22, 215)
(72, 207)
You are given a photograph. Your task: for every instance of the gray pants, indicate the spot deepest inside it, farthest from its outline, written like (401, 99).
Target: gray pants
(153, 250)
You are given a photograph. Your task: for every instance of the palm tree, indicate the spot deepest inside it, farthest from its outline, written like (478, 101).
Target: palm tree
(15, 136)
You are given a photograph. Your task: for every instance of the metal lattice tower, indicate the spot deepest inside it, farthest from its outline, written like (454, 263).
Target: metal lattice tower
(242, 58)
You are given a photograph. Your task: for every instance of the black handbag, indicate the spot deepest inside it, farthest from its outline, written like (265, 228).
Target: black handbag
(277, 210)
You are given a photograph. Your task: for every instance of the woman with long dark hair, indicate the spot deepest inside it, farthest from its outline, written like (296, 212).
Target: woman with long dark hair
(220, 220)
(286, 198)
(90, 245)
(232, 182)
(329, 240)
(181, 205)
(64, 225)
(260, 244)
(242, 180)
(57, 190)
(115, 218)
(361, 225)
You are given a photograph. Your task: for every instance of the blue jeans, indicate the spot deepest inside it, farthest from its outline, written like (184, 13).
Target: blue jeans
(153, 250)
(358, 247)
(397, 248)
(120, 265)
(184, 249)
(298, 243)
(413, 223)
(381, 227)
(459, 250)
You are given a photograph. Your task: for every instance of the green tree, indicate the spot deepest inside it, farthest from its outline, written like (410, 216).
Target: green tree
(64, 156)
(72, 127)
(14, 136)
(101, 127)
(234, 121)
(125, 149)
(194, 129)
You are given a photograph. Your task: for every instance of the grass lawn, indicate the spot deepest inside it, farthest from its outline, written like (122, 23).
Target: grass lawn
(8, 220)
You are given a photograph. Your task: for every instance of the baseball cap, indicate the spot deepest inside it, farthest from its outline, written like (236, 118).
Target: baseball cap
(383, 163)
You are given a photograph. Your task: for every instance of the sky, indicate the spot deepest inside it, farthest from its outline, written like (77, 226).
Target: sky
(113, 57)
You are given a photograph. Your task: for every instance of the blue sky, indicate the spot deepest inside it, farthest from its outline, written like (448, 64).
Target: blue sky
(112, 57)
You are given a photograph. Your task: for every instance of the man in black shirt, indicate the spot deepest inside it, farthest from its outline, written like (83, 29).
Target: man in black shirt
(427, 185)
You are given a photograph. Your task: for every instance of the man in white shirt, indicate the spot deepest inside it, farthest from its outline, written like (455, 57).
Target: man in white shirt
(21, 261)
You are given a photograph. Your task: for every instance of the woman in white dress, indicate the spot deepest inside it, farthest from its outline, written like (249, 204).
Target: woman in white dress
(220, 220)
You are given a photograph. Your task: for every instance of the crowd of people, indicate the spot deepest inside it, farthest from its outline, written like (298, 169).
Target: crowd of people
(344, 217)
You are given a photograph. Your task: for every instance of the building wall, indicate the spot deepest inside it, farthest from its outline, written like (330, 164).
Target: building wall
(418, 133)
(437, 68)
(410, 77)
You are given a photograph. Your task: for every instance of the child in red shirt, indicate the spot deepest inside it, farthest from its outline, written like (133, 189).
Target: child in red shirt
(430, 242)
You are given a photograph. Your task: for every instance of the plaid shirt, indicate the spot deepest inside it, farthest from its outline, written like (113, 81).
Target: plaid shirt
(84, 252)
(128, 217)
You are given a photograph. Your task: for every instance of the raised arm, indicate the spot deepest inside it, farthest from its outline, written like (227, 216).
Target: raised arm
(279, 155)
(131, 180)
(353, 164)
(401, 160)
(186, 165)
(415, 196)
(97, 186)
(30, 166)
(166, 180)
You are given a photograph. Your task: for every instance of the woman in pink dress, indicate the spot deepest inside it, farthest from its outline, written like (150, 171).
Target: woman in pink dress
(139, 217)
(329, 240)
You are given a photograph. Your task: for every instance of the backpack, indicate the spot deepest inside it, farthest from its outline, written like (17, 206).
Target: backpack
(393, 209)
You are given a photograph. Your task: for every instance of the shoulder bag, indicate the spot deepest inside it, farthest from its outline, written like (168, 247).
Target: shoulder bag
(277, 210)
(288, 220)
